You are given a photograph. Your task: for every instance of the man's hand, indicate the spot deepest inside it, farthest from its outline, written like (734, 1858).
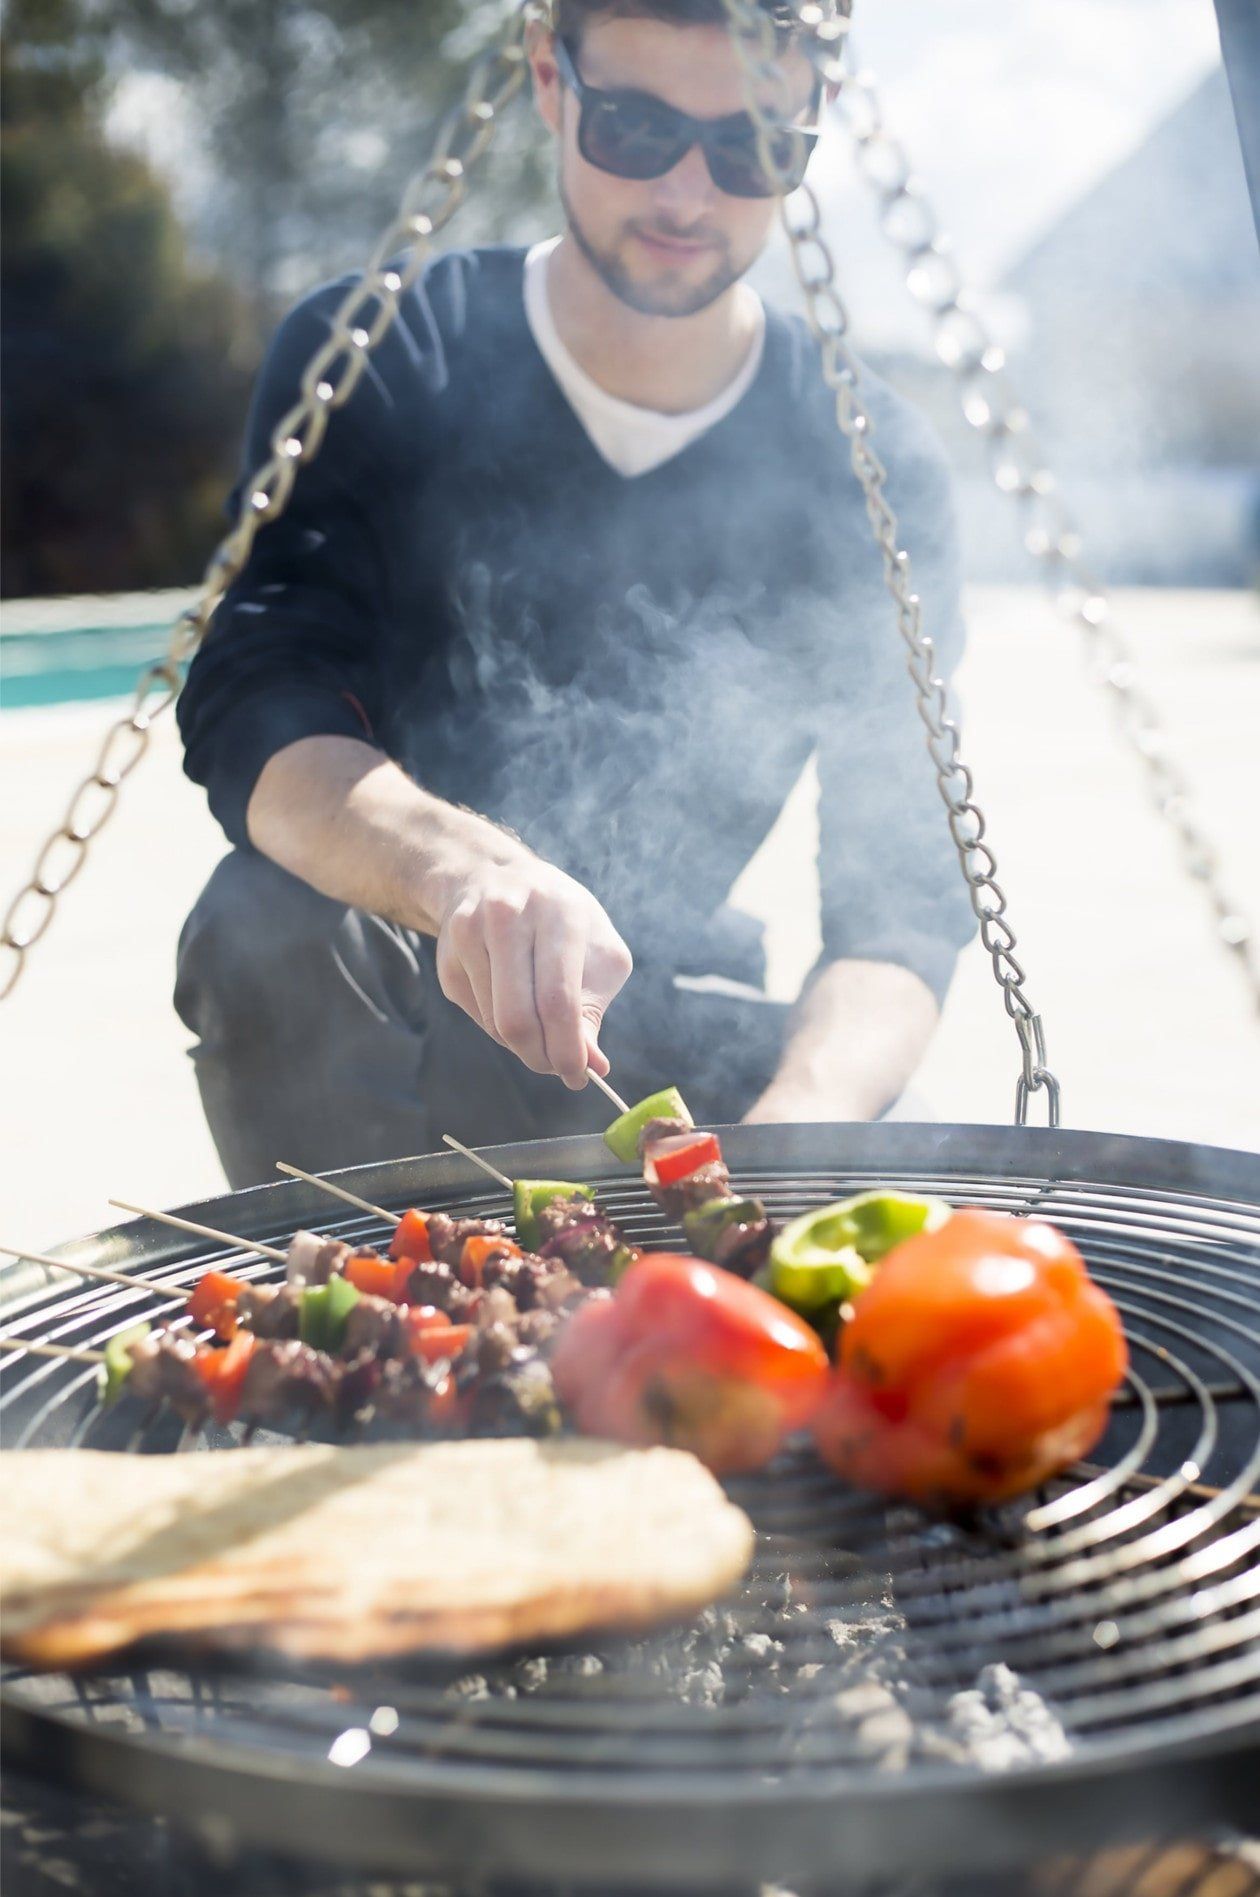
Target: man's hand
(533, 958)
(521, 947)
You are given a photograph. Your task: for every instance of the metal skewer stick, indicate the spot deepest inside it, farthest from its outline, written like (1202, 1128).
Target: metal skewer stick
(52, 1350)
(604, 1088)
(338, 1192)
(202, 1231)
(96, 1271)
(477, 1160)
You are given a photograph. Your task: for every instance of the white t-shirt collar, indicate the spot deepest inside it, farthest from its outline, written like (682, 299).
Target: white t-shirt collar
(632, 440)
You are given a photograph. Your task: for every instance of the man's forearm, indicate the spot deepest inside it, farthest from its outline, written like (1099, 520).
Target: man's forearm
(522, 948)
(854, 1039)
(346, 819)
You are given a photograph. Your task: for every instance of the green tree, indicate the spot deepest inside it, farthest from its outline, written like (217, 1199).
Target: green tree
(126, 370)
(312, 114)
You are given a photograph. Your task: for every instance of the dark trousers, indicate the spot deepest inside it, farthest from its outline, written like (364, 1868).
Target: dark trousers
(324, 1038)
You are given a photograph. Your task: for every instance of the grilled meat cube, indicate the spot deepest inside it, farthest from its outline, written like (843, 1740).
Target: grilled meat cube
(287, 1376)
(162, 1371)
(593, 1250)
(744, 1249)
(377, 1326)
(561, 1289)
(584, 1239)
(270, 1310)
(433, 1283)
(661, 1130)
(462, 1304)
(517, 1400)
(404, 1394)
(537, 1328)
(447, 1236)
(708, 1182)
(314, 1260)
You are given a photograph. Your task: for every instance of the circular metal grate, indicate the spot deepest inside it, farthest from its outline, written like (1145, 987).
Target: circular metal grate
(886, 1694)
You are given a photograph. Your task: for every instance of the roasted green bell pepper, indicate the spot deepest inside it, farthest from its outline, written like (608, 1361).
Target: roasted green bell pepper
(114, 1372)
(529, 1196)
(828, 1255)
(623, 1135)
(324, 1312)
(706, 1224)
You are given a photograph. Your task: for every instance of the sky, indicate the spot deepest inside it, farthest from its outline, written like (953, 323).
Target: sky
(1010, 110)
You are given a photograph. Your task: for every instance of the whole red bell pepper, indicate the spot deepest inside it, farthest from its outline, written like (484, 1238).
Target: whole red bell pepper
(689, 1355)
(979, 1361)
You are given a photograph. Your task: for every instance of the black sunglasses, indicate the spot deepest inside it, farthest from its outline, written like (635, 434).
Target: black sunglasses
(636, 135)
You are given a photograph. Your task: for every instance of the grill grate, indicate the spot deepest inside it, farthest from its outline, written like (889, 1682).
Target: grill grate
(884, 1695)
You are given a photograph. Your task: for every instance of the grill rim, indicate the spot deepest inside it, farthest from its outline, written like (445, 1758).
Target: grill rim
(988, 1823)
(697, 1809)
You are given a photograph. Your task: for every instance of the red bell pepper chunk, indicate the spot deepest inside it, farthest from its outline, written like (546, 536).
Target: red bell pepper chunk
(687, 1354)
(223, 1373)
(980, 1360)
(212, 1304)
(678, 1155)
(411, 1239)
(375, 1277)
(434, 1345)
(477, 1253)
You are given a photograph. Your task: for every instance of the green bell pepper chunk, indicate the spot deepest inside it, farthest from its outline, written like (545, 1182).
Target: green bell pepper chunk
(623, 1135)
(324, 1311)
(529, 1196)
(828, 1255)
(705, 1225)
(114, 1372)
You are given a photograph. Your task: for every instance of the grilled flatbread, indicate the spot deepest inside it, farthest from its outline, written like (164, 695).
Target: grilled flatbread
(356, 1553)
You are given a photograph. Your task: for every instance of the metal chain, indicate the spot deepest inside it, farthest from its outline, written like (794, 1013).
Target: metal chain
(755, 41)
(431, 199)
(992, 407)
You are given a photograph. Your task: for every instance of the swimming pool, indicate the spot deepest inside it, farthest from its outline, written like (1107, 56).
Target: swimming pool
(59, 652)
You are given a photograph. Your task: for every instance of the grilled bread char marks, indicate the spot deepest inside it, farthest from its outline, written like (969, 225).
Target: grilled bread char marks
(356, 1553)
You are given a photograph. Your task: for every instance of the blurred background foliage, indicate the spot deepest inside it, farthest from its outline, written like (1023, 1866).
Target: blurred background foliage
(133, 315)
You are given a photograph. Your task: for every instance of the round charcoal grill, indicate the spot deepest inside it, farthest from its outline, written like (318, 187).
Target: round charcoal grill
(887, 1694)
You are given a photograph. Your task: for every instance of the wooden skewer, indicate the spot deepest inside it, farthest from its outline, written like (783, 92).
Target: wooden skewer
(97, 1271)
(52, 1350)
(477, 1160)
(604, 1088)
(338, 1192)
(202, 1231)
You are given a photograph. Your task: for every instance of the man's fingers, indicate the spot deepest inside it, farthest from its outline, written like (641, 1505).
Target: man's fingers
(596, 1059)
(559, 958)
(463, 968)
(515, 1017)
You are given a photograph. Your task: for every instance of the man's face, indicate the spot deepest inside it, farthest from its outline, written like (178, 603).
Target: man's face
(665, 246)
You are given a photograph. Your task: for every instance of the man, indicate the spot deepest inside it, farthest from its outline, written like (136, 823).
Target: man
(518, 683)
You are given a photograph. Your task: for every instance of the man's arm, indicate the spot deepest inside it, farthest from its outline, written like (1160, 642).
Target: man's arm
(522, 948)
(894, 908)
(854, 1038)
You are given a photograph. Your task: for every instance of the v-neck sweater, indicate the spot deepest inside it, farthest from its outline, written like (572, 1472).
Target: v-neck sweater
(628, 673)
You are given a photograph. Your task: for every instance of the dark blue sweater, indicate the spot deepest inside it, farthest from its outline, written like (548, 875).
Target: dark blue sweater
(630, 673)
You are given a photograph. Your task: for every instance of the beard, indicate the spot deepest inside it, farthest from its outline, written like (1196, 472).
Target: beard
(649, 299)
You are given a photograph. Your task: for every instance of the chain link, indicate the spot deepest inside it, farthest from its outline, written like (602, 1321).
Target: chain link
(330, 378)
(753, 33)
(991, 406)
